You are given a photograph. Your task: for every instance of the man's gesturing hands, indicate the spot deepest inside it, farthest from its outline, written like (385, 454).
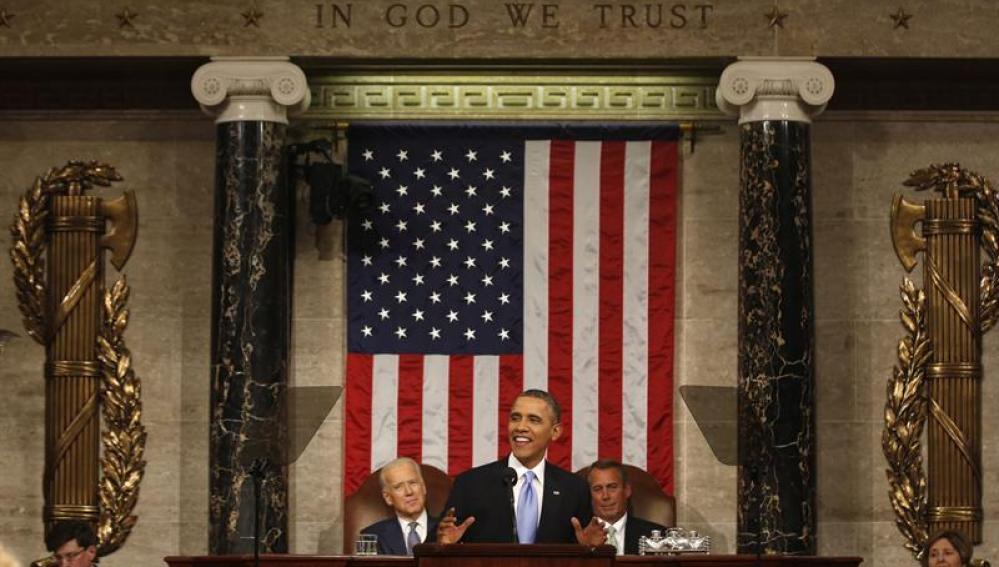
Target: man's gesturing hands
(449, 531)
(593, 534)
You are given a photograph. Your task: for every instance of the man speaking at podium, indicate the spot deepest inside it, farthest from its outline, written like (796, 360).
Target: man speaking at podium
(522, 498)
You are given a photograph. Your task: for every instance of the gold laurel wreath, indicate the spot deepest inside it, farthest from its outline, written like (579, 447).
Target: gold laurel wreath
(905, 417)
(123, 437)
(905, 409)
(28, 232)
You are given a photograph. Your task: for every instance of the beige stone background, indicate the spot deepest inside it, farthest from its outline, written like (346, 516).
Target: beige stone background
(939, 28)
(859, 160)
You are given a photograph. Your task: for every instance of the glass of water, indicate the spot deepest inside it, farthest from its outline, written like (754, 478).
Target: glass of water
(366, 544)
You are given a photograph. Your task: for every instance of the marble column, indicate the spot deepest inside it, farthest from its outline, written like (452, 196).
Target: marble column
(775, 99)
(251, 296)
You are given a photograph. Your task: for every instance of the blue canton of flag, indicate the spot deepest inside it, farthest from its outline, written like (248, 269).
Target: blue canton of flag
(436, 267)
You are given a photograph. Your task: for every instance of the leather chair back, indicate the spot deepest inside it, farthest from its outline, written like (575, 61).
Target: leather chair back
(366, 506)
(648, 500)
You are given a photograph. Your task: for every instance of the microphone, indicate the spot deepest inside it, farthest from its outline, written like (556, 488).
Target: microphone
(510, 479)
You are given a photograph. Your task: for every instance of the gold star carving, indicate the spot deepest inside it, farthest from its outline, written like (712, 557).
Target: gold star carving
(125, 18)
(775, 17)
(5, 18)
(252, 17)
(901, 19)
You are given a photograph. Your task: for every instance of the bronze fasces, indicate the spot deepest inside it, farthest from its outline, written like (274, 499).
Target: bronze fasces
(60, 234)
(934, 394)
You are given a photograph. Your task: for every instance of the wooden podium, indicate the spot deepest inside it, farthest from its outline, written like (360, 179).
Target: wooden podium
(514, 555)
(697, 560)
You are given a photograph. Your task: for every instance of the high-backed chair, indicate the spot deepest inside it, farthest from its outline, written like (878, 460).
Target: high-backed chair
(648, 500)
(366, 506)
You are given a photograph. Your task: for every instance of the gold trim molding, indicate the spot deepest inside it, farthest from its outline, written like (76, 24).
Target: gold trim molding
(512, 95)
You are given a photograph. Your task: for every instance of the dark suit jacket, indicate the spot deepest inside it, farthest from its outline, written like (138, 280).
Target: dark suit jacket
(391, 540)
(480, 492)
(635, 528)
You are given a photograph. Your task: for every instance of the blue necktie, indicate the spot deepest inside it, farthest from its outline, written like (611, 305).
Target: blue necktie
(413, 538)
(527, 510)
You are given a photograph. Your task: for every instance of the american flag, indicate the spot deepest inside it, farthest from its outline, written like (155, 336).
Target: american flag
(505, 257)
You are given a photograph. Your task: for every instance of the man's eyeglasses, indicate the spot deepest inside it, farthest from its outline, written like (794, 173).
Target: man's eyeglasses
(68, 556)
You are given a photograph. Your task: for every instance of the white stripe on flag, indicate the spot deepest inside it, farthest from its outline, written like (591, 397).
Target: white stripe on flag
(537, 156)
(634, 406)
(435, 398)
(485, 405)
(384, 409)
(585, 303)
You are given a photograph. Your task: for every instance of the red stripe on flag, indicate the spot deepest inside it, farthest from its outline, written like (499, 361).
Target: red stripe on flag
(357, 426)
(461, 383)
(662, 262)
(610, 358)
(560, 227)
(409, 436)
(511, 383)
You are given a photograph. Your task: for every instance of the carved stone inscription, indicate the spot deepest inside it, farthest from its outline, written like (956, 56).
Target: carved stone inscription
(514, 15)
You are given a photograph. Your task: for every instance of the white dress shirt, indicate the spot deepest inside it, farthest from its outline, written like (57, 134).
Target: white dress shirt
(618, 531)
(539, 481)
(421, 527)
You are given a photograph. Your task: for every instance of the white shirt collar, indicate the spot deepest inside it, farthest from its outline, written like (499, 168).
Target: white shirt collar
(421, 527)
(539, 469)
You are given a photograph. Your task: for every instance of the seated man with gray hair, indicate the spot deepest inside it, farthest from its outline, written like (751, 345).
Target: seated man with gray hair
(404, 490)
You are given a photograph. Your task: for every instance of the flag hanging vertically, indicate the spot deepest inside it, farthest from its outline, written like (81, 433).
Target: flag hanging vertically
(505, 257)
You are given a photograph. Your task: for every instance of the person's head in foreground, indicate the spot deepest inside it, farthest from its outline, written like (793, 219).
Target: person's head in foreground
(403, 488)
(73, 543)
(609, 490)
(947, 548)
(535, 421)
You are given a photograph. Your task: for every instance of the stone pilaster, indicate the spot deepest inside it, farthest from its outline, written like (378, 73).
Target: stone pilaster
(251, 296)
(775, 99)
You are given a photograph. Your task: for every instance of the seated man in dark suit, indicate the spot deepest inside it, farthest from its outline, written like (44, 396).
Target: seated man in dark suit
(404, 490)
(611, 493)
(550, 505)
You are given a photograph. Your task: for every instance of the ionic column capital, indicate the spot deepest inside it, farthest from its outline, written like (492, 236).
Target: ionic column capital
(251, 88)
(775, 88)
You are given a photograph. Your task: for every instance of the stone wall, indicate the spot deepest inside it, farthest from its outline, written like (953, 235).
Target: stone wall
(488, 29)
(859, 160)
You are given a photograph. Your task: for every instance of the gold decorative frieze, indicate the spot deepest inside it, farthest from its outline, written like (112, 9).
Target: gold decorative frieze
(517, 95)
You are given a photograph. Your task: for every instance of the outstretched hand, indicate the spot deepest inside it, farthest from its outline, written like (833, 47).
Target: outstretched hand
(593, 534)
(449, 530)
